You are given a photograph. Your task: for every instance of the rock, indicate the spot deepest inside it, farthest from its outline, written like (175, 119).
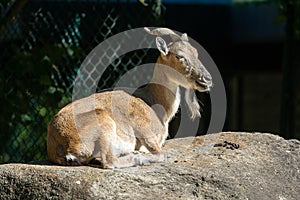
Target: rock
(215, 166)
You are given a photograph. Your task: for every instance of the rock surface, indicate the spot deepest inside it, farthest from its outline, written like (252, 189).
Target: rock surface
(215, 166)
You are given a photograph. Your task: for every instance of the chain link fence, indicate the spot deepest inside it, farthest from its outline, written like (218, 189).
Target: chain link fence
(42, 45)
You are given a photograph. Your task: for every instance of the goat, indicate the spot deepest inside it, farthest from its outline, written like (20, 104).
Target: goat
(114, 125)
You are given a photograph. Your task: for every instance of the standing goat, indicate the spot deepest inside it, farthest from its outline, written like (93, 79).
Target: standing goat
(111, 128)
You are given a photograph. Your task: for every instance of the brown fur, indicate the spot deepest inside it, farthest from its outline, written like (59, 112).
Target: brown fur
(109, 126)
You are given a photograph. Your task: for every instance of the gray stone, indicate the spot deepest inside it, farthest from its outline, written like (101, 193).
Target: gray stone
(215, 166)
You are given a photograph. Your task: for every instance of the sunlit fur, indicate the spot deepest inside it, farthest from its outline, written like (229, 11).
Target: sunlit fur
(109, 127)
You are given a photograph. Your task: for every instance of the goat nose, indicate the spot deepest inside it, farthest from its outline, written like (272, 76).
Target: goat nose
(207, 78)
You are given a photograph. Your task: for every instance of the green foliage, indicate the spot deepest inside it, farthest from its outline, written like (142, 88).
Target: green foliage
(30, 97)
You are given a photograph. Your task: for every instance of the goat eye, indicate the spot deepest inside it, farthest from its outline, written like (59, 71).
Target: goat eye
(181, 58)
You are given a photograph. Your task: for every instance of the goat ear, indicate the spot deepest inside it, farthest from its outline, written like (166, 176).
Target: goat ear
(162, 46)
(184, 37)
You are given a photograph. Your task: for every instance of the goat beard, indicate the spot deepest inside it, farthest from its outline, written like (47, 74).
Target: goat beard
(192, 102)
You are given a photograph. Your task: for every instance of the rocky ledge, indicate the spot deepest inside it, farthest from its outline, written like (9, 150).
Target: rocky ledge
(215, 166)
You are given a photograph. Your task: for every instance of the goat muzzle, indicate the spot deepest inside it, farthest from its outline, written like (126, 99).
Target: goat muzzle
(204, 83)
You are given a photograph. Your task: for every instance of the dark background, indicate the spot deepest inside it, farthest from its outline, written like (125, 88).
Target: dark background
(247, 46)
(42, 44)
(250, 45)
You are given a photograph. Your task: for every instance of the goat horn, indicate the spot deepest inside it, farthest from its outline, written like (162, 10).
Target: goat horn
(163, 31)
